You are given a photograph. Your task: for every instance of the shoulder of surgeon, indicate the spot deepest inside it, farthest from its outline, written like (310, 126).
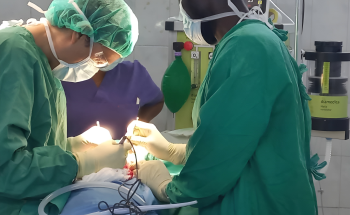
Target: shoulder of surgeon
(17, 44)
(253, 36)
(132, 68)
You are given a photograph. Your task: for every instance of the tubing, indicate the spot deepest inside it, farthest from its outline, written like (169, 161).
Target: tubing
(146, 208)
(328, 155)
(81, 185)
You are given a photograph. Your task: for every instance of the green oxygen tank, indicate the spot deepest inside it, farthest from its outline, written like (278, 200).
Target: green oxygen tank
(176, 83)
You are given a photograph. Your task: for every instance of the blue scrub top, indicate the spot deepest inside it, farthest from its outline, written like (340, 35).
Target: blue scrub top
(113, 103)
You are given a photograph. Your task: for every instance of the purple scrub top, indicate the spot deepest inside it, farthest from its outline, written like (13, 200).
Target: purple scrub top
(113, 104)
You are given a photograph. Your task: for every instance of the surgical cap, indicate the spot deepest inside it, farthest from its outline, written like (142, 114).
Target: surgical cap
(111, 22)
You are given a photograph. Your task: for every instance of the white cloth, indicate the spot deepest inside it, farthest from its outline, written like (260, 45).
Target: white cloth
(185, 132)
(6, 24)
(107, 175)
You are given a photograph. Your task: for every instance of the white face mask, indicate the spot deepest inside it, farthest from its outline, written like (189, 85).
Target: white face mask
(77, 72)
(192, 27)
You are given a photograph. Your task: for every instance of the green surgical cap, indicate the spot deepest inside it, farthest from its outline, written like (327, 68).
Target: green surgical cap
(111, 22)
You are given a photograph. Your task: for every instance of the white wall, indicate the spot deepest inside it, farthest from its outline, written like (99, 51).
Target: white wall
(324, 20)
(152, 47)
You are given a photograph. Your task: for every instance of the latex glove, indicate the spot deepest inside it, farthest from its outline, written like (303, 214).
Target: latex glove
(148, 136)
(97, 135)
(156, 176)
(79, 144)
(108, 154)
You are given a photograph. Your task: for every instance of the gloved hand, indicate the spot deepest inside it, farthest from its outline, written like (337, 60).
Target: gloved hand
(97, 135)
(156, 176)
(79, 144)
(108, 154)
(148, 136)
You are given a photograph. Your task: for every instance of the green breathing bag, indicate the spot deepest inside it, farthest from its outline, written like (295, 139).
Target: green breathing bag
(176, 83)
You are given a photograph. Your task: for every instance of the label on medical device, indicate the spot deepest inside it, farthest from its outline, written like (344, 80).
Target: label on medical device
(325, 77)
(329, 106)
(194, 55)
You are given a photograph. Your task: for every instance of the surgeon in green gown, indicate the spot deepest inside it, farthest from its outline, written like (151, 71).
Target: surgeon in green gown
(250, 152)
(36, 158)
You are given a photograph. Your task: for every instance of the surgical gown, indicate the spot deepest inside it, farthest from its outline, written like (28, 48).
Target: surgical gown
(250, 153)
(33, 157)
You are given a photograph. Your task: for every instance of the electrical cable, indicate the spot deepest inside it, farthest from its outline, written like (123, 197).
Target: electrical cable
(126, 202)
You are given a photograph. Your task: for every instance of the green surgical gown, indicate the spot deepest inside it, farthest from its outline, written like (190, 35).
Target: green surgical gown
(250, 154)
(33, 157)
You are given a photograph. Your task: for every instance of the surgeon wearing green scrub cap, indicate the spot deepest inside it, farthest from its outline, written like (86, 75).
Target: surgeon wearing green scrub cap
(77, 39)
(250, 152)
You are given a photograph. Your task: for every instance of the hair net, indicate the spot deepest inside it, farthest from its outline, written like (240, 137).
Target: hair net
(111, 22)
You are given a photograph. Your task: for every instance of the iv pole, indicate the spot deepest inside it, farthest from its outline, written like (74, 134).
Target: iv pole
(298, 20)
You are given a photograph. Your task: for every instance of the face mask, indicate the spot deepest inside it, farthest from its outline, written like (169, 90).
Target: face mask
(192, 27)
(77, 72)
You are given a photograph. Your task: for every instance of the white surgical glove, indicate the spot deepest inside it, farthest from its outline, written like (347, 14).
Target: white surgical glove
(148, 136)
(108, 154)
(79, 144)
(155, 175)
(97, 135)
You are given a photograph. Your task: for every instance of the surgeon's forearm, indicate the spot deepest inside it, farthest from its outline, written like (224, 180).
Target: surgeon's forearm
(147, 113)
(37, 173)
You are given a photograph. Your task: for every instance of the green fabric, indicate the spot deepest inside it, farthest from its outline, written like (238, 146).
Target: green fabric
(179, 211)
(250, 154)
(33, 160)
(172, 168)
(111, 22)
(315, 167)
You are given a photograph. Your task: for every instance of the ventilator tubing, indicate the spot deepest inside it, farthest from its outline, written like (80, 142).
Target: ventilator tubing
(113, 186)
(147, 208)
(82, 185)
(328, 155)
